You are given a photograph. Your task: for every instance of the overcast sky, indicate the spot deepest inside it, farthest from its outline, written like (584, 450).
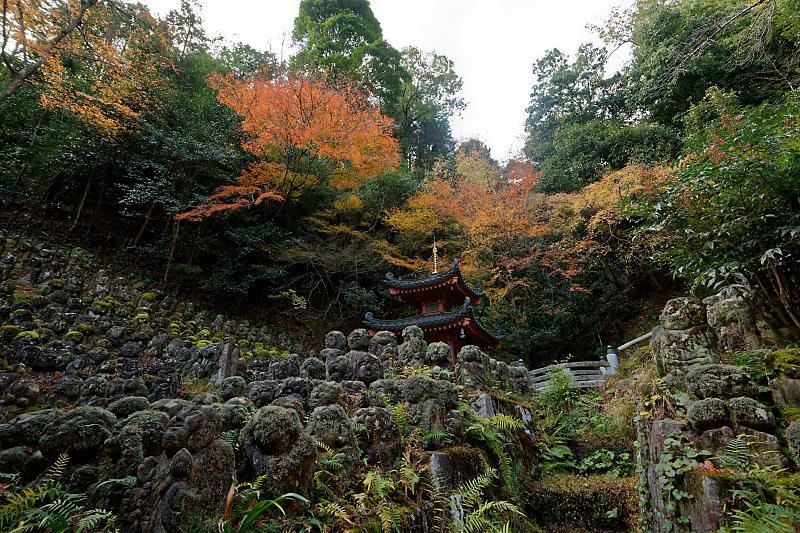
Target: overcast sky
(492, 42)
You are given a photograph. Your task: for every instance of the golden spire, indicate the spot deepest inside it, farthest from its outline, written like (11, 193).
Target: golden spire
(435, 257)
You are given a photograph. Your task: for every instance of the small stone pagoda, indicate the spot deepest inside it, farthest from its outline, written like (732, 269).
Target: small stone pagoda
(445, 300)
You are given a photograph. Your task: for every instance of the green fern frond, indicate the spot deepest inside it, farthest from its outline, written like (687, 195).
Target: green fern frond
(505, 423)
(93, 518)
(26, 499)
(231, 437)
(57, 469)
(736, 453)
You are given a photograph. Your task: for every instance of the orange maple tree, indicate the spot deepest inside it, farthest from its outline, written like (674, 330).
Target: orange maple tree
(100, 62)
(480, 224)
(306, 131)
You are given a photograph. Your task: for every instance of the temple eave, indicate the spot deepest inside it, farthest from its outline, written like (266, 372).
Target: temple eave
(473, 329)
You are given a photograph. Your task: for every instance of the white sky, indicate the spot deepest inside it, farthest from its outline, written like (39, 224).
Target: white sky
(492, 42)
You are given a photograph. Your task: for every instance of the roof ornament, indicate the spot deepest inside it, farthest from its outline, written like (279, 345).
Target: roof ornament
(435, 257)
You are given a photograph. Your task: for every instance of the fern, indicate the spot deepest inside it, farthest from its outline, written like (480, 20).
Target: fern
(736, 453)
(126, 481)
(335, 510)
(56, 470)
(438, 435)
(505, 423)
(231, 437)
(91, 520)
(475, 513)
(20, 503)
(761, 517)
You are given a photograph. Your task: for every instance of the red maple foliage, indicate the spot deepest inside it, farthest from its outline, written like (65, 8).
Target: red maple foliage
(306, 131)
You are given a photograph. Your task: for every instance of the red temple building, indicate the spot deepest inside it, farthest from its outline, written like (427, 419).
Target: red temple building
(445, 300)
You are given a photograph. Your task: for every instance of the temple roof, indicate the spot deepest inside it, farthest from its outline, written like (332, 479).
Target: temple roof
(428, 321)
(476, 293)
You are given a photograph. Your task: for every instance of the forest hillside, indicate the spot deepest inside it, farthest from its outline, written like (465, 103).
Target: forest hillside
(194, 234)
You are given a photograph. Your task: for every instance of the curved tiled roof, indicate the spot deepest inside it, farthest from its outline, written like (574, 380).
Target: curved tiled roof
(424, 321)
(399, 283)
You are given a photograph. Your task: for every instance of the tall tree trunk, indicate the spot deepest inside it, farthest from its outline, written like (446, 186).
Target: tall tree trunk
(610, 273)
(80, 206)
(175, 229)
(144, 224)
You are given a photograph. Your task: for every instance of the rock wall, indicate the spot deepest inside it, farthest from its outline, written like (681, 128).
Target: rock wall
(133, 383)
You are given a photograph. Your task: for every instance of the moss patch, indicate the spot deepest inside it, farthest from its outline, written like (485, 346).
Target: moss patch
(581, 503)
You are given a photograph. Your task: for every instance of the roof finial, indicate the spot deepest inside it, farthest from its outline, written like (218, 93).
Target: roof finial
(435, 257)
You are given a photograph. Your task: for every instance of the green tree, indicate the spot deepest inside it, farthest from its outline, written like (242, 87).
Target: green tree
(682, 48)
(427, 101)
(579, 125)
(729, 216)
(344, 38)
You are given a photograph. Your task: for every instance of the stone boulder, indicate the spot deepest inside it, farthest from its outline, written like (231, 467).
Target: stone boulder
(682, 313)
(383, 345)
(82, 431)
(733, 322)
(284, 367)
(190, 478)
(27, 428)
(793, 440)
(326, 393)
(273, 443)
(263, 392)
(749, 413)
(336, 340)
(439, 354)
(719, 381)
(231, 387)
(125, 407)
(367, 368)
(707, 414)
(358, 340)
(377, 434)
(330, 426)
(312, 368)
(681, 349)
(339, 368)
(472, 368)
(414, 346)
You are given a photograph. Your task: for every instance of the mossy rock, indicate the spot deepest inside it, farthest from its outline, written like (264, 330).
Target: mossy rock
(8, 332)
(75, 336)
(787, 361)
(149, 296)
(32, 335)
(581, 503)
(86, 329)
(141, 317)
(203, 343)
(205, 332)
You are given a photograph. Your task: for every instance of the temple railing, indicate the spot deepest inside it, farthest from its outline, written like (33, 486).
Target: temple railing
(585, 374)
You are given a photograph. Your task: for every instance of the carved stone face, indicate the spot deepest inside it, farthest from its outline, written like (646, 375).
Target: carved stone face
(195, 427)
(335, 339)
(368, 369)
(358, 339)
(339, 368)
(438, 353)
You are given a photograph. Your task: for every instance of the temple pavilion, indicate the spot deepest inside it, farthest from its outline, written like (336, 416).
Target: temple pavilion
(445, 300)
